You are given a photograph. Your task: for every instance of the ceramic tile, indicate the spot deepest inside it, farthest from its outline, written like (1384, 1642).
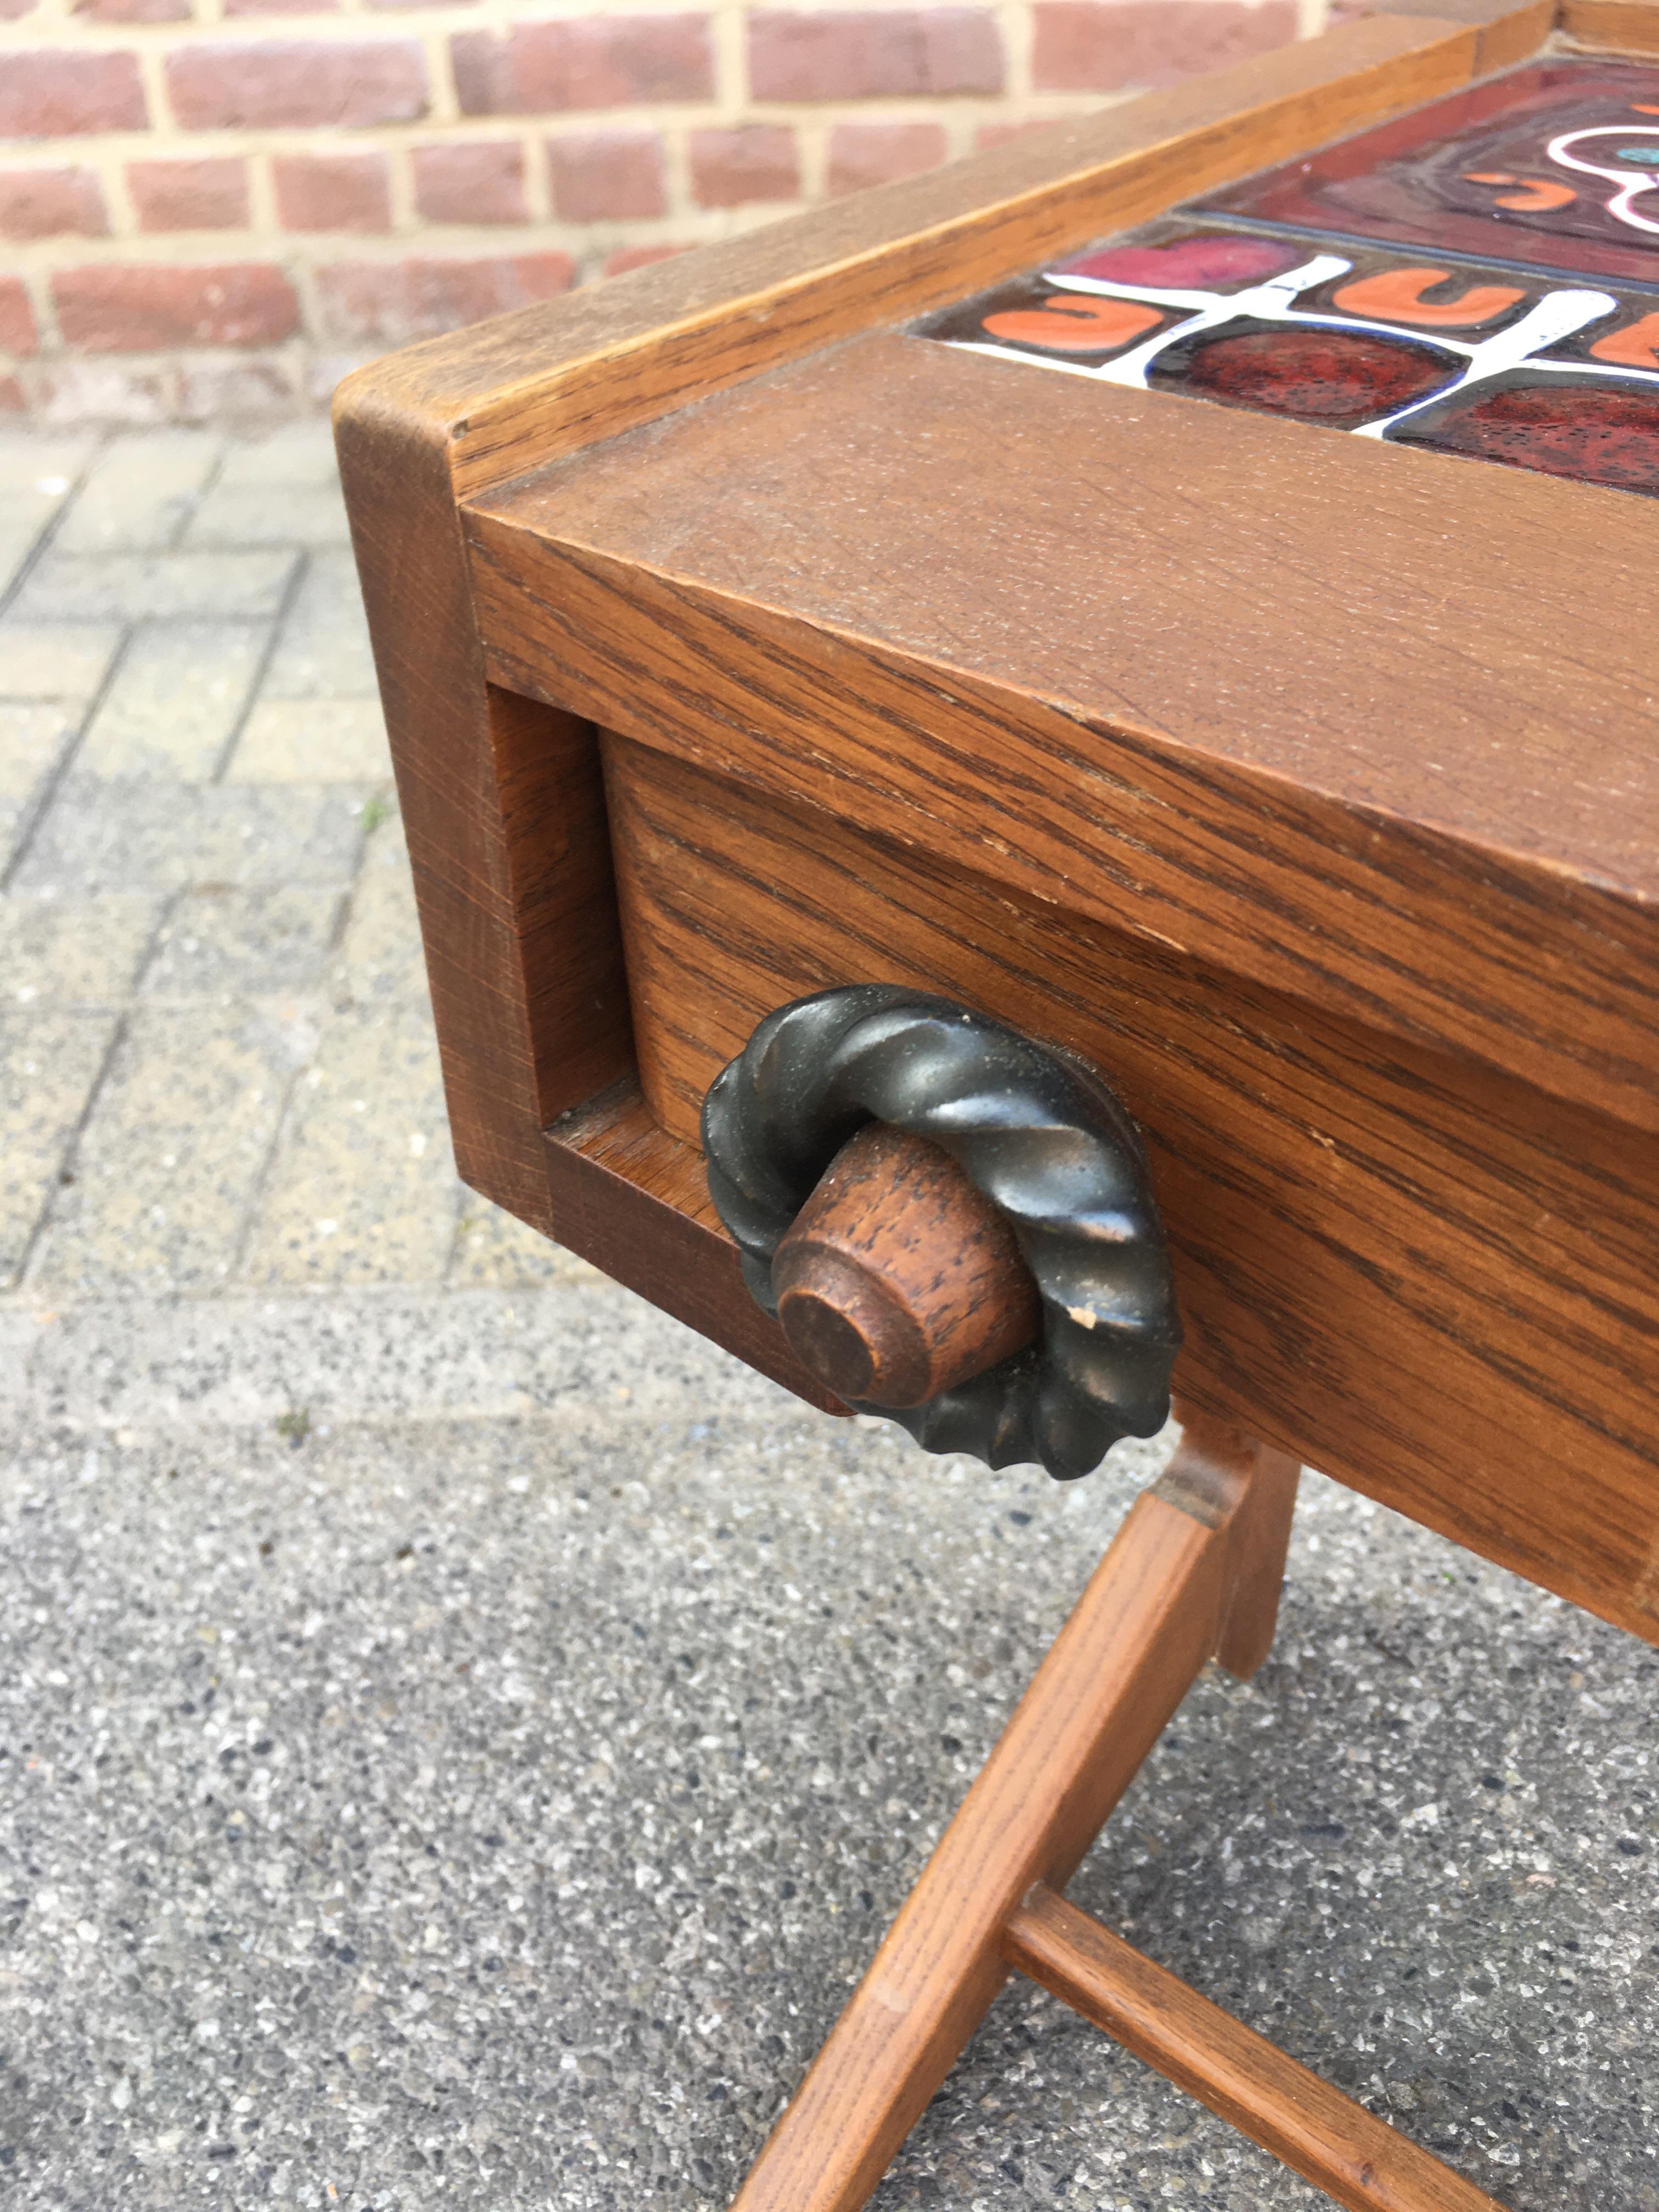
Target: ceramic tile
(1555, 167)
(1494, 362)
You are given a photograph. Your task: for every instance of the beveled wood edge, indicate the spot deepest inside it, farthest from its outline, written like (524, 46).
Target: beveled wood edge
(613, 356)
(1608, 27)
(553, 573)
(625, 1195)
(1327, 2138)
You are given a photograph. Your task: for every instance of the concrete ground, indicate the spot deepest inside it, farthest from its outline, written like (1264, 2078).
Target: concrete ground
(461, 1736)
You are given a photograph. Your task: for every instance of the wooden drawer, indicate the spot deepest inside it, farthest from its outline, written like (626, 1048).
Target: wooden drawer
(1303, 784)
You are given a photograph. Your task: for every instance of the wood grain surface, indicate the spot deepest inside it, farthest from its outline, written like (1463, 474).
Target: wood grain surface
(1260, 1537)
(504, 815)
(1375, 727)
(1151, 1615)
(1619, 27)
(564, 373)
(464, 412)
(1421, 1276)
(1322, 2135)
(1212, 804)
(900, 1279)
(1507, 34)
(636, 1202)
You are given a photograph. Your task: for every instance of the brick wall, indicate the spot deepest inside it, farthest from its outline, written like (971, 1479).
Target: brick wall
(212, 208)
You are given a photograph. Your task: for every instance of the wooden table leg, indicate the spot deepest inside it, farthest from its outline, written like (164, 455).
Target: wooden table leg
(1195, 1555)
(1327, 2138)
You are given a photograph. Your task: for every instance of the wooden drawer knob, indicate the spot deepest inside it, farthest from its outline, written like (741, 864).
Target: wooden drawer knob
(1001, 1286)
(899, 1279)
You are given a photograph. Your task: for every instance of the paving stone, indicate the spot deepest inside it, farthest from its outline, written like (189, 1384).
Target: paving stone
(37, 475)
(74, 952)
(299, 454)
(364, 1189)
(313, 741)
(140, 491)
(177, 697)
(33, 739)
(174, 1149)
(269, 514)
(392, 1357)
(233, 945)
(380, 956)
(492, 1246)
(444, 1756)
(19, 1331)
(137, 587)
(323, 650)
(55, 660)
(48, 1060)
(50, 465)
(129, 834)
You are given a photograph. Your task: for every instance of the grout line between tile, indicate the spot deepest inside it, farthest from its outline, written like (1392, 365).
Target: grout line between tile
(175, 543)
(117, 1035)
(288, 1119)
(291, 591)
(52, 782)
(50, 528)
(70, 1151)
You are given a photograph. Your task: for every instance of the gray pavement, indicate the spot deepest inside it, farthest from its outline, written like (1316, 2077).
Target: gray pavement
(461, 1736)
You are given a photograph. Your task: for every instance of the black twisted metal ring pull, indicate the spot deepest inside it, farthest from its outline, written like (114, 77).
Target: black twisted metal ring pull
(1045, 1141)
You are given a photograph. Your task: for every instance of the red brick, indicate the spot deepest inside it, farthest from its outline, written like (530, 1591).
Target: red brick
(144, 310)
(478, 181)
(1101, 45)
(755, 162)
(17, 332)
(132, 11)
(13, 399)
(863, 154)
(56, 96)
(210, 194)
(332, 191)
(270, 82)
(601, 176)
(11, 10)
(388, 302)
(858, 53)
(48, 203)
(638, 256)
(591, 61)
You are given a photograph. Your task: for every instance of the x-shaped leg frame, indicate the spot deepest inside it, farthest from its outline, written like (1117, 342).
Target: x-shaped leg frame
(1193, 1574)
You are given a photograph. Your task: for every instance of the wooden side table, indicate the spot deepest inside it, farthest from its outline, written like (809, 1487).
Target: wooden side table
(1180, 586)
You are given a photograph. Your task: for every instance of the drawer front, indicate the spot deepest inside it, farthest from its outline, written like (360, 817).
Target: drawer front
(1421, 1276)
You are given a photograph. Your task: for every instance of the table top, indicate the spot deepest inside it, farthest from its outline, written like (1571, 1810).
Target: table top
(1475, 277)
(1365, 646)
(1418, 693)
(1459, 645)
